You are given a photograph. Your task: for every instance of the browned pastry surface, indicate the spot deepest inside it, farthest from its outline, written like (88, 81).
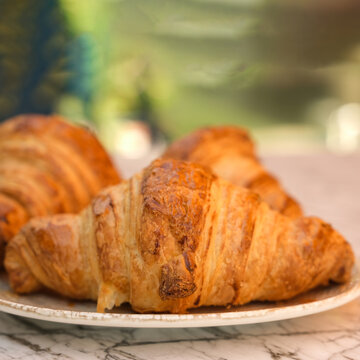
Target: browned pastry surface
(175, 237)
(229, 152)
(47, 166)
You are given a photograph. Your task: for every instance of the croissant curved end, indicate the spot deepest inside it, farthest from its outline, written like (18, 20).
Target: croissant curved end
(21, 279)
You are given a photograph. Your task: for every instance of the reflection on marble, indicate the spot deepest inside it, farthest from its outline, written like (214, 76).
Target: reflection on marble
(328, 186)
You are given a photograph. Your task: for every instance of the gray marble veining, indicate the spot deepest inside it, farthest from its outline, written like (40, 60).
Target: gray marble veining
(331, 335)
(329, 187)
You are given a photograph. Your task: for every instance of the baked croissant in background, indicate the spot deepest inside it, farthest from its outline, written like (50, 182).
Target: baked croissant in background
(174, 237)
(47, 166)
(229, 152)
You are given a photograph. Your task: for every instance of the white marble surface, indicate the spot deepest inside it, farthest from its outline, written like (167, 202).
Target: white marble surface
(329, 187)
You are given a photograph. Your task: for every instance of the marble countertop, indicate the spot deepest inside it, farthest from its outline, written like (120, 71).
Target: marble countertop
(327, 186)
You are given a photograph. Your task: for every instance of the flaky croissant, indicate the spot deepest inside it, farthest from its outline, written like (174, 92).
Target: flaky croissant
(47, 166)
(176, 237)
(229, 152)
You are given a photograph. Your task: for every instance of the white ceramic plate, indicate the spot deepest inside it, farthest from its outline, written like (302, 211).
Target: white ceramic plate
(52, 308)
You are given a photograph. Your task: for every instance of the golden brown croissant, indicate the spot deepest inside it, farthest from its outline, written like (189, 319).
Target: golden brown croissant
(47, 166)
(176, 237)
(229, 152)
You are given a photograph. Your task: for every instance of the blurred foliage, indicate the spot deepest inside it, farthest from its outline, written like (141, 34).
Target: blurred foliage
(40, 58)
(201, 62)
(253, 63)
(178, 65)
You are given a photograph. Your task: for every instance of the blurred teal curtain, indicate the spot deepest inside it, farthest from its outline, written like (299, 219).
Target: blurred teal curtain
(40, 58)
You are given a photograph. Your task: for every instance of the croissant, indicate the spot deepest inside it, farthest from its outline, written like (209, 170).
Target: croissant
(230, 153)
(47, 166)
(174, 237)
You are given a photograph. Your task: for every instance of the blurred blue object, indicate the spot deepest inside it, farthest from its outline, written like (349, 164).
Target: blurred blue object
(40, 58)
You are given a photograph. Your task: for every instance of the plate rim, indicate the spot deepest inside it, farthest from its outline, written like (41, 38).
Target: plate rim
(227, 318)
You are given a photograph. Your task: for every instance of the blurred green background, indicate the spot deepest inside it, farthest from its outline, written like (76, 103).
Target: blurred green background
(149, 71)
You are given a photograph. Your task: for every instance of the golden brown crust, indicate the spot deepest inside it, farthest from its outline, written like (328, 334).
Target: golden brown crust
(176, 279)
(230, 138)
(176, 237)
(56, 242)
(80, 140)
(174, 203)
(175, 197)
(229, 152)
(47, 166)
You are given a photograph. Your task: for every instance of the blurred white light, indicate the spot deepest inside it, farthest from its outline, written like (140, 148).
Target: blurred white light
(132, 140)
(343, 130)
